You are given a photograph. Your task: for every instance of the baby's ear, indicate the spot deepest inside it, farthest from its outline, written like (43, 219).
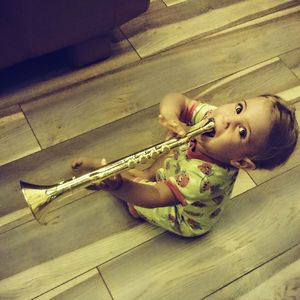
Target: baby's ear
(245, 163)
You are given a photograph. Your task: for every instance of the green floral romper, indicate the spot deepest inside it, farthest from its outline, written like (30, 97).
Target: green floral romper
(201, 186)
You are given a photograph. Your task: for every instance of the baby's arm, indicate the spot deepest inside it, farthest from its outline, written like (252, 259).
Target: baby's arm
(173, 110)
(126, 188)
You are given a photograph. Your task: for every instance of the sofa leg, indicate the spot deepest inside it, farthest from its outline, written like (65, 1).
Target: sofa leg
(90, 51)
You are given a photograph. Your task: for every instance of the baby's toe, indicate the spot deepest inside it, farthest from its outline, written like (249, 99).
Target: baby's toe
(76, 165)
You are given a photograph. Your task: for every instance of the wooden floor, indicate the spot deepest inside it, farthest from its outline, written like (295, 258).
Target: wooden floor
(217, 51)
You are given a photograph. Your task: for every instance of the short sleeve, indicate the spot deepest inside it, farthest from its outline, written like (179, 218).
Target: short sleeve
(199, 183)
(195, 112)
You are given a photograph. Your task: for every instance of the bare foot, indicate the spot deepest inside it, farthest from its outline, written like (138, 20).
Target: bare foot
(133, 211)
(85, 165)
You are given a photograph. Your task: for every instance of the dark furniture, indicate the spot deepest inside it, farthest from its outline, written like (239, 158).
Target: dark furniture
(30, 28)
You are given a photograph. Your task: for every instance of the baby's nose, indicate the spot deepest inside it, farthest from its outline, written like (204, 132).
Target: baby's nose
(226, 122)
(229, 121)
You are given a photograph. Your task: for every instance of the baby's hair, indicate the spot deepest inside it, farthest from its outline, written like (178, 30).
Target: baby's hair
(283, 136)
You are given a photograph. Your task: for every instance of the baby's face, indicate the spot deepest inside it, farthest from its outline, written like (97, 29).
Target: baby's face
(240, 130)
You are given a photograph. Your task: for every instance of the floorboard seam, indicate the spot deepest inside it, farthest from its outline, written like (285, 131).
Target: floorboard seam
(291, 70)
(127, 251)
(274, 257)
(30, 128)
(45, 292)
(275, 176)
(135, 50)
(230, 74)
(101, 276)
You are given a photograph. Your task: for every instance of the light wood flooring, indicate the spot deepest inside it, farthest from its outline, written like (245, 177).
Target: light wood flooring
(216, 51)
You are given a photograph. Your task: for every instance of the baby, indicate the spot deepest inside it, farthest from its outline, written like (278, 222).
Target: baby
(187, 190)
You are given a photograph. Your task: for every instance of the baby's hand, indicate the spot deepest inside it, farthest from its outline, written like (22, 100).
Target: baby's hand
(112, 183)
(174, 126)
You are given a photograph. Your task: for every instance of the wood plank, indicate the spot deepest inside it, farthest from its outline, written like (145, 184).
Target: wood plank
(81, 216)
(16, 137)
(42, 259)
(78, 226)
(46, 167)
(34, 79)
(243, 183)
(253, 279)
(173, 2)
(72, 227)
(87, 286)
(284, 285)
(36, 168)
(257, 21)
(251, 82)
(260, 176)
(42, 277)
(194, 19)
(292, 60)
(132, 134)
(292, 95)
(15, 219)
(254, 229)
(155, 5)
(55, 118)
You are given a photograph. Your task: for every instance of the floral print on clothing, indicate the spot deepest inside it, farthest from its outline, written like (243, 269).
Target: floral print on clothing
(182, 179)
(205, 186)
(215, 213)
(194, 213)
(160, 176)
(194, 224)
(177, 168)
(198, 204)
(176, 153)
(168, 165)
(215, 189)
(218, 200)
(171, 218)
(206, 168)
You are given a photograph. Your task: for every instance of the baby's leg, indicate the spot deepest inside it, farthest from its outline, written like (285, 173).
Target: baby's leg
(149, 173)
(158, 163)
(164, 217)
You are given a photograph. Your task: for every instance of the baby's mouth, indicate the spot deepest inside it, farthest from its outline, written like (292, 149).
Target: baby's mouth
(211, 133)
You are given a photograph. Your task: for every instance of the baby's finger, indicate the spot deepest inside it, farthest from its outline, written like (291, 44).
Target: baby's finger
(76, 165)
(103, 162)
(172, 125)
(162, 120)
(177, 128)
(170, 135)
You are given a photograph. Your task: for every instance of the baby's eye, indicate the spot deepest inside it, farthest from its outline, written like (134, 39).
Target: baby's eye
(239, 108)
(242, 132)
